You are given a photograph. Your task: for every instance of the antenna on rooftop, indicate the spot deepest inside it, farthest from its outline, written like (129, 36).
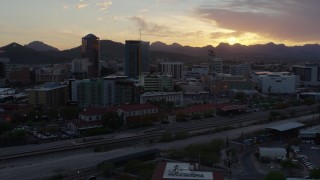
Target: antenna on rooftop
(140, 34)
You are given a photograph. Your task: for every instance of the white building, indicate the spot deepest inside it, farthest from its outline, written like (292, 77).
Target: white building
(216, 65)
(175, 97)
(277, 82)
(273, 153)
(173, 69)
(309, 74)
(202, 70)
(240, 69)
(183, 171)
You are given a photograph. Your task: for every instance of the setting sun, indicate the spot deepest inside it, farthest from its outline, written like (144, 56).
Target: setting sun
(232, 40)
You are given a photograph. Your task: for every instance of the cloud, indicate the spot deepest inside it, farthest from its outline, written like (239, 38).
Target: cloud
(66, 7)
(159, 30)
(103, 6)
(144, 10)
(100, 18)
(293, 20)
(82, 5)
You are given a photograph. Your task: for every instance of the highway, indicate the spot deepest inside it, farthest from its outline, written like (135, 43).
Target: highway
(43, 166)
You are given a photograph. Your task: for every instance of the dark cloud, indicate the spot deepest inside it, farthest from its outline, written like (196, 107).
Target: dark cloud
(292, 20)
(154, 29)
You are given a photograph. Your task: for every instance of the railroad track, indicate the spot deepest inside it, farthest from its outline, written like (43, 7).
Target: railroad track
(151, 135)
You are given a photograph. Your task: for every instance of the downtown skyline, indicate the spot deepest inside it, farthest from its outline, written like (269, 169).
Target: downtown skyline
(62, 23)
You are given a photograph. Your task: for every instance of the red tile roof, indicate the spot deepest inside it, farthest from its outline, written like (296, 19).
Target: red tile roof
(195, 108)
(91, 111)
(12, 107)
(137, 107)
(233, 107)
(159, 171)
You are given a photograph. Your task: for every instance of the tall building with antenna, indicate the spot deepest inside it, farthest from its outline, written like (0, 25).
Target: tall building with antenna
(136, 58)
(90, 49)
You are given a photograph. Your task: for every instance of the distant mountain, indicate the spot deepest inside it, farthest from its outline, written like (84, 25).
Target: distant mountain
(175, 52)
(269, 50)
(19, 54)
(40, 46)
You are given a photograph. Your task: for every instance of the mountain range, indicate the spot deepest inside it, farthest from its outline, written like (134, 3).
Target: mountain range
(39, 53)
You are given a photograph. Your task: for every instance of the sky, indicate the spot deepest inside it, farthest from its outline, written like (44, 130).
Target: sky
(62, 23)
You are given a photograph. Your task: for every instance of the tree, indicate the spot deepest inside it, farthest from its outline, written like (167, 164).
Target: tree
(239, 96)
(112, 120)
(275, 175)
(309, 101)
(288, 165)
(166, 137)
(107, 168)
(181, 116)
(177, 88)
(4, 127)
(317, 138)
(315, 174)
(106, 71)
(70, 113)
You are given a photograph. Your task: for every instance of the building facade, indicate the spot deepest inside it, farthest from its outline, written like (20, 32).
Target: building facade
(216, 65)
(175, 97)
(136, 58)
(274, 82)
(309, 74)
(156, 83)
(79, 68)
(90, 49)
(174, 69)
(49, 95)
(240, 69)
(103, 92)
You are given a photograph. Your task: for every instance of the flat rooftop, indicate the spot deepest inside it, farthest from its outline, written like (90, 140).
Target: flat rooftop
(286, 126)
(182, 171)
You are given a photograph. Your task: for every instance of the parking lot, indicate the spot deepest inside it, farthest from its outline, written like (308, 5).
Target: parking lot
(308, 155)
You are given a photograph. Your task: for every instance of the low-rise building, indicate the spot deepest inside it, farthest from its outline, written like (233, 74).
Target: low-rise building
(200, 110)
(156, 83)
(175, 97)
(277, 82)
(177, 171)
(272, 153)
(92, 117)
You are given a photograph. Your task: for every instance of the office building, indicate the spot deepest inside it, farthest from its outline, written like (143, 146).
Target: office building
(49, 95)
(79, 68)
(173, 69)
(277, 82)
(156, 83)
(240, 69)
(216, 65)
(90, 49)
(104, 92)
(136, 58)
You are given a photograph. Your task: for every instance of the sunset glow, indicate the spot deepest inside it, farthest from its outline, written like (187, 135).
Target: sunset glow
(62, 23)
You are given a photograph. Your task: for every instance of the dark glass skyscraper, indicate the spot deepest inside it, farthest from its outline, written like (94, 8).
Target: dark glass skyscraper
(137, 58)
(90, 49)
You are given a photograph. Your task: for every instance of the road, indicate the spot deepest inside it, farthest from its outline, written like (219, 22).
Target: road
(249, 170)
(33, 168)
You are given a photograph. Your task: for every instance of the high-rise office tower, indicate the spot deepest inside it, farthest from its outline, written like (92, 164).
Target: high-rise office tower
(137, 58)
(90, 49)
